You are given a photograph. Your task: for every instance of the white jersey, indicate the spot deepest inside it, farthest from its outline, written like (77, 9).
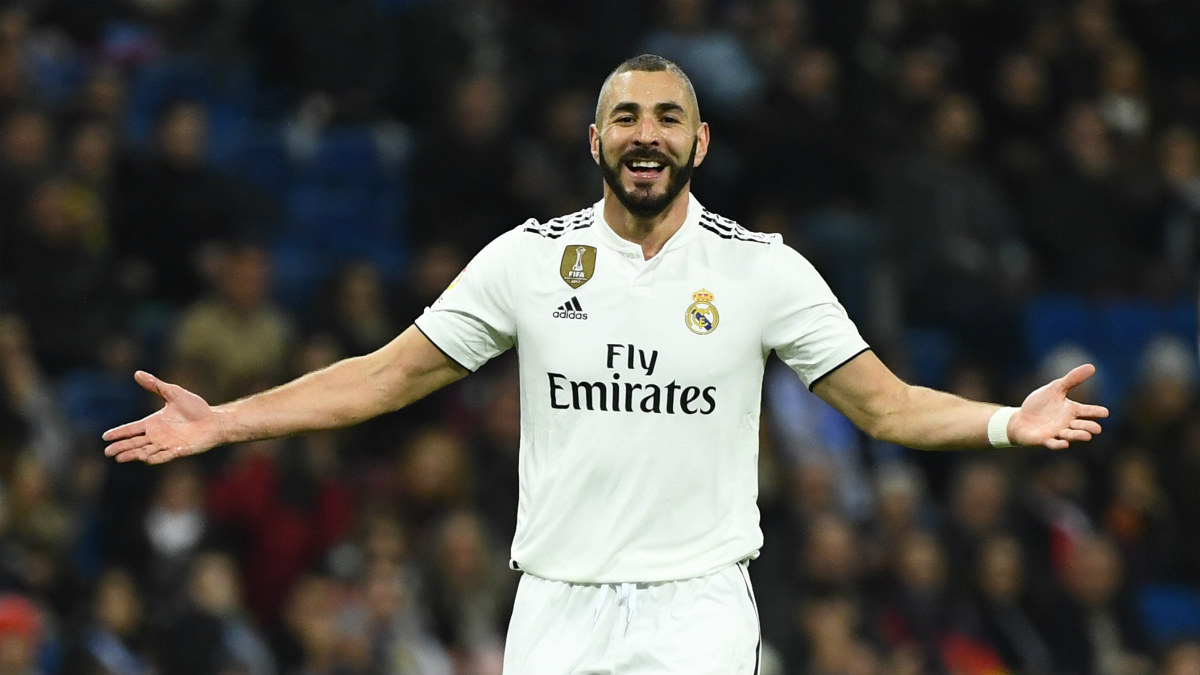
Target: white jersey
(640, 384)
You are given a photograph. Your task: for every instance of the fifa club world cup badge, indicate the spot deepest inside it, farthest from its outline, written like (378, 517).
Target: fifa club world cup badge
(577, 265)
(701, 316)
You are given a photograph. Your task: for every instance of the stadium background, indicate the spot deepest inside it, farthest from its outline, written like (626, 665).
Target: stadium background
(233, 192)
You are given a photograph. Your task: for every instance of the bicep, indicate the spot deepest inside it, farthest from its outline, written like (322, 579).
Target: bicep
(864, 390)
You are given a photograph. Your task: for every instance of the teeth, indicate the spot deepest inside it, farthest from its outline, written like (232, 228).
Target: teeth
(645, 165)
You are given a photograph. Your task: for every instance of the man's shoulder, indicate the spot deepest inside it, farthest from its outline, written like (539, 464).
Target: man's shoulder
(730, 230)
(557, 227)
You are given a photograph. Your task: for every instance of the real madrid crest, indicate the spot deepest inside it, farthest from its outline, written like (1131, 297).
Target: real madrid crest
(577, 265)
(701, 316)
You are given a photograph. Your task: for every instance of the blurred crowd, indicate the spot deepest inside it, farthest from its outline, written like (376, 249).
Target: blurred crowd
(234, 192)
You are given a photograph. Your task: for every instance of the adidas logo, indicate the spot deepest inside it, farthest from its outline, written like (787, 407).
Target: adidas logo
(570, 309)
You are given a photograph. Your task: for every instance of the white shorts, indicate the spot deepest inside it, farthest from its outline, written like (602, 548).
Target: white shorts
(693, 627)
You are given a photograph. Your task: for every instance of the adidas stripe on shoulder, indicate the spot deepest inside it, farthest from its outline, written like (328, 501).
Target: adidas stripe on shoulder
(557, 227)
(729, 229)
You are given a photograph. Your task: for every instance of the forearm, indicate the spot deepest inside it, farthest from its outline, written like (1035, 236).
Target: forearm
(926, 419)
(348, 392)
(337, 396)
(882, 405)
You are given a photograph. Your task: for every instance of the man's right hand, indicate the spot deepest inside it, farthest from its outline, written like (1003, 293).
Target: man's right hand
(186, 425)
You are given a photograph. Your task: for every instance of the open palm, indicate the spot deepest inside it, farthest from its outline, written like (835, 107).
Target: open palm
(186, 425)
(1048, 418)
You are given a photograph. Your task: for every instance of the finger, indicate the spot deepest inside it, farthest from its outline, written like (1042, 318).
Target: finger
(1075, 435)
(126, 445)
(1077, 376)
(163, 456)
(1056, 444)
(1091, 411)
(134, 455)
(125, 431)
(1086, 425)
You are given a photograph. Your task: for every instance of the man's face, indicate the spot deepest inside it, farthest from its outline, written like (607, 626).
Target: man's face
(647, 139)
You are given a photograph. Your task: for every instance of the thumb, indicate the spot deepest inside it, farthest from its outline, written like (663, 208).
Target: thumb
(153, 385)
(1077, 376)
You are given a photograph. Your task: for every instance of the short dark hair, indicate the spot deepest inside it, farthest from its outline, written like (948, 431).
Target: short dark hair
(648, 63)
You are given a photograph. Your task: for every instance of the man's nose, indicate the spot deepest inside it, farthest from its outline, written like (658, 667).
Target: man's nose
(647, 133)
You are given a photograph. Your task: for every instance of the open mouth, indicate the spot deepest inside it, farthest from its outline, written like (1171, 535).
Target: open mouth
(644, 169)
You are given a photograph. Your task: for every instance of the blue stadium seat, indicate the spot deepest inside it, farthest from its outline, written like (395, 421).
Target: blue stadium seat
(95, 400)
(1115, 332)
(261, 157)
(347, 154)
(1170, 611)
(1051, 320)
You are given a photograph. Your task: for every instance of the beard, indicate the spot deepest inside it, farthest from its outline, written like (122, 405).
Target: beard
(639, 201)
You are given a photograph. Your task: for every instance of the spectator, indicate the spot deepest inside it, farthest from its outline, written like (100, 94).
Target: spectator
(1179, 173)
(1088, 185)
(174, 529)
(556, 174)
(432, 477)
(831, 640)
(1020, 117)
(467, 153)
(725, 75)
(335, 54)
(214, 634)
(955, 234)
(495, 454)
(1180, 658)
(804, 110)
(1093, 628)
(68, 296)
(357, 313)
(999, 612)
(26, 159)
(382, 629)
(110, 642)
(20, 635)
(288, 507)
(469, 591)
(978, 509)
(237, 334)
(171, 208)
(917, 612)
(33, 419)
(1138, 518)
(1180, 464)
(1163, 390)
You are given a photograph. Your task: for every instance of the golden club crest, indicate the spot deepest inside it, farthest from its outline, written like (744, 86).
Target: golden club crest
(701, 316)
(578, 264)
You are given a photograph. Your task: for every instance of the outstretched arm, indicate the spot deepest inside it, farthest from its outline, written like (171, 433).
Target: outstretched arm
(878, 402)
(348, 392)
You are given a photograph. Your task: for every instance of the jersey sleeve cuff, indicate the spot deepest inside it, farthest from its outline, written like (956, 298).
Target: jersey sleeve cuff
(442, 349)
(841, 363)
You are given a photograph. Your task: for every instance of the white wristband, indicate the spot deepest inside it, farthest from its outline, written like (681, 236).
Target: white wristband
(998, 428)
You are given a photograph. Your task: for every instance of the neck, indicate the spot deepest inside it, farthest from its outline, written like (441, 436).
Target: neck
(649, 233)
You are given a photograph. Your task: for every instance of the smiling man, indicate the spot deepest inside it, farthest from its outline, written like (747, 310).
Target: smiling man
(642, 325)
(651, 142)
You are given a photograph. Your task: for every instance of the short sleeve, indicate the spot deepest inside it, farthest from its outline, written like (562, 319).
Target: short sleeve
(474, 319)
(805, 324)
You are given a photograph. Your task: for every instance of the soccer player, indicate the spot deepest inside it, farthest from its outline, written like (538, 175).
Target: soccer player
(642, 324)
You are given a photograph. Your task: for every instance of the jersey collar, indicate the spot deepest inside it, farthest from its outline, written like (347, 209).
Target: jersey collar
(612, 240)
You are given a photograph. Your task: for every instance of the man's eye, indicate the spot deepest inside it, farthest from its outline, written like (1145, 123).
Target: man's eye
(625, 119)
(669, 120)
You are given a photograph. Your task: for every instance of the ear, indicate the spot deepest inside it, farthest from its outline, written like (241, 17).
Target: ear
(701, 143)
(594, 142)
